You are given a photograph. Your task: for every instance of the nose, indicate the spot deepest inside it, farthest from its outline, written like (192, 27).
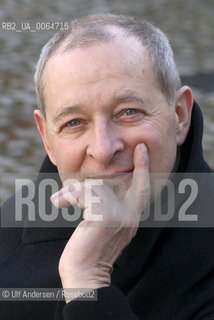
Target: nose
(105, 142)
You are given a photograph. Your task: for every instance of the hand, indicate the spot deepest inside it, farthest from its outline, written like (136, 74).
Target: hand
(89, 255)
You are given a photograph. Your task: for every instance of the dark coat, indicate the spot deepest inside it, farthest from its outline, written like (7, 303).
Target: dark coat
(165, 273)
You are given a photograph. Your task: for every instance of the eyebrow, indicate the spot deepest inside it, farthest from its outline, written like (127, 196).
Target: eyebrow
(67, 110)
(125, 96)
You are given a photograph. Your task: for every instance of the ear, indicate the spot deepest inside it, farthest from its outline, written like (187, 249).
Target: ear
(43, 130)
(183, 111)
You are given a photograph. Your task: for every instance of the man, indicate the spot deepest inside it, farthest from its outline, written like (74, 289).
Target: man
(112, 111)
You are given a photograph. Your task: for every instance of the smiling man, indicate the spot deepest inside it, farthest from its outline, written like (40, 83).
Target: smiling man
(112, 109)
(101, 99)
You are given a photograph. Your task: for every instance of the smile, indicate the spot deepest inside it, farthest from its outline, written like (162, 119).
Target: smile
(110, 176)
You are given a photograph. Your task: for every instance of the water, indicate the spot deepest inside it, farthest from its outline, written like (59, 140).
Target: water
(188, 24)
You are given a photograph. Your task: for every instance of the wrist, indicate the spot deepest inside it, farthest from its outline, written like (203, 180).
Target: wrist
(90, 277)
(72, 291)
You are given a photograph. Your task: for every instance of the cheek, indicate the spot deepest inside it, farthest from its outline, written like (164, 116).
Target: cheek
(133, 136)
(144, 134)
(161, 146)
(69, 156)
(162, 151)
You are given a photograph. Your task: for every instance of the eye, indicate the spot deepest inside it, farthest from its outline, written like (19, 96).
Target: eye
(73, 123)
(130, 115)
(130, 112)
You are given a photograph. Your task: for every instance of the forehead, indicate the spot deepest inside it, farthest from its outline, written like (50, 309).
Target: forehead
(120, 54)
(93, 71)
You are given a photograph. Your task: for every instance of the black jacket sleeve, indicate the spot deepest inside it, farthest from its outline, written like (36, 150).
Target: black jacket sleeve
(109, 305)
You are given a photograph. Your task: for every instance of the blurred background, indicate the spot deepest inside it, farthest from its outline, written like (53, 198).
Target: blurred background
(189, 24)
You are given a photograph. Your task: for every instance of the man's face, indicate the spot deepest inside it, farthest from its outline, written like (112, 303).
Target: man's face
(100, 103)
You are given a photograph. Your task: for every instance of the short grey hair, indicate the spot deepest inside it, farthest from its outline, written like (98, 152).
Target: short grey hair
(94, 29)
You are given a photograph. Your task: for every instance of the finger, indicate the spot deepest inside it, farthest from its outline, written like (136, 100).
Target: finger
(141, 159)
(71, 184)
(64, 200)
(66, 196)
(104, 192)
(59, 193)
(138, 193)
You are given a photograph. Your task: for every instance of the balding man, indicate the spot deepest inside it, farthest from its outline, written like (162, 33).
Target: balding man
(113, 115)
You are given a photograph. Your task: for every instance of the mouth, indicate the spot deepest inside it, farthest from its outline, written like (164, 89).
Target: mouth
(110, 176)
